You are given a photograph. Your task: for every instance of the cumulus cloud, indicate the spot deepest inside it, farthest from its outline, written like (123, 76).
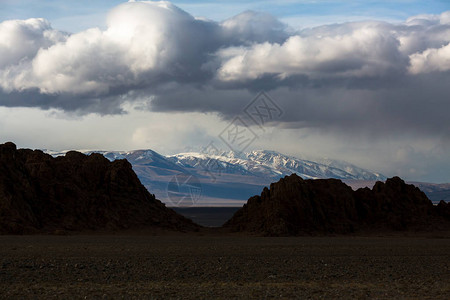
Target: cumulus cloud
(143, 42)
(368, 76)
(254, 27)
(431, 60)
(359, 49)
(20, 40)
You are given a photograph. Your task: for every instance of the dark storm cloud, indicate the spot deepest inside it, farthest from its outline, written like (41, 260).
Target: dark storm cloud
(370, 76)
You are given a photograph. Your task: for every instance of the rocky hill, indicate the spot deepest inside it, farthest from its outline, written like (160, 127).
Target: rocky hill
(294, 206)
(75, 192)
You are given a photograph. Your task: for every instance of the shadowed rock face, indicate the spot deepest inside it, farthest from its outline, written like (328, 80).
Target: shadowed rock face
(295, 206)
(443, 209)
(39, 193)
(394, 205)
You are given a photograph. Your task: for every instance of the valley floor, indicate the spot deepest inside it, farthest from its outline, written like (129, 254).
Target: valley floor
(213, 266)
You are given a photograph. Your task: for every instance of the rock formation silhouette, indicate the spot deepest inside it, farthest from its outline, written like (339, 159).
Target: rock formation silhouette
(76, 192)
(294, 206)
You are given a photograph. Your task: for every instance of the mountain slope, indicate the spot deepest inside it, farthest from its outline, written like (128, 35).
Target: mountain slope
(273, 164)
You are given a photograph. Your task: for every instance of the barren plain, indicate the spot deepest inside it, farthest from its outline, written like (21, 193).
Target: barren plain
(209, 265)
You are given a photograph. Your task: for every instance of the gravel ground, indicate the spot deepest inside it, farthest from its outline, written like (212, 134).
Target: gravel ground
(207, 267)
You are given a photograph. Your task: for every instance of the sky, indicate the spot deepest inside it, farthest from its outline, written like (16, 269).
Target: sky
(360, 81)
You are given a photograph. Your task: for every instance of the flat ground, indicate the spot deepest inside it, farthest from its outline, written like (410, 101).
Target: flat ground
(206, 267)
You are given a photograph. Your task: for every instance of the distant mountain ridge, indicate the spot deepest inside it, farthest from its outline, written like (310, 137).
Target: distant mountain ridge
(224, 178)
(262, 163)
(227, 178)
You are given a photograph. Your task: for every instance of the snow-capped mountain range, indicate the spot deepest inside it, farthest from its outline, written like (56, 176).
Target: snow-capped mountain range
(271, 164)
(224, 178)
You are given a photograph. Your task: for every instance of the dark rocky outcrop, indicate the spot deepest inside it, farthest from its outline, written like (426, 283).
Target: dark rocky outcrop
(394, 205)
(39, 193)
(294, 206)
(443, 209)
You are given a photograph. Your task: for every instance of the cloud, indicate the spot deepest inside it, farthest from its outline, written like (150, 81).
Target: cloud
(349, 50)
(372, 77)
(431, 60)
(253, 27)
(143, 43)
(20, 40)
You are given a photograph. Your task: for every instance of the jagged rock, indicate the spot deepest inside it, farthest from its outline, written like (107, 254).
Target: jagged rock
(295, 206)
(394, 205)
(39, 193)
(443, 209)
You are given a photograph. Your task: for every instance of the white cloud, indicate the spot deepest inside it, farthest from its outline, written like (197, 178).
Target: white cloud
(431, 60)
(147, 44)
(427, 42)
(358, 49)
(142, 41)
(250, 27)
(21, 39)
(445, 18)
(354, 49)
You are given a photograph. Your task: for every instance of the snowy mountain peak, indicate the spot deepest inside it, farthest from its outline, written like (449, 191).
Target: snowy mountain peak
(260, 163)
(226, 177)
(266, 163)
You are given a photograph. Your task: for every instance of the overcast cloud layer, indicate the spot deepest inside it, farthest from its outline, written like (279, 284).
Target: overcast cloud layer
(372, 79)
